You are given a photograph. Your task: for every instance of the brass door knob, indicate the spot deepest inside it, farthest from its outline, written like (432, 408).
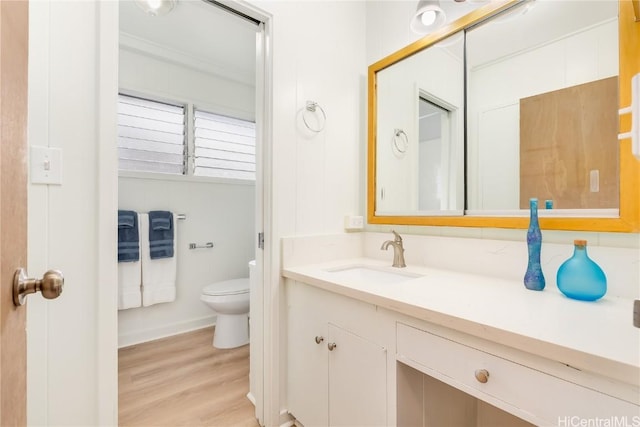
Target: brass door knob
(331, 346)
(50, 285)
(482, 375)
(319, 339)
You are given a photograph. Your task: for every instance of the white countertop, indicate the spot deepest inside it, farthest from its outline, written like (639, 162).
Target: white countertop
(595, 336)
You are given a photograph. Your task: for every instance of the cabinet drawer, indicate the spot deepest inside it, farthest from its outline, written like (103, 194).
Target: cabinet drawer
(527, 393)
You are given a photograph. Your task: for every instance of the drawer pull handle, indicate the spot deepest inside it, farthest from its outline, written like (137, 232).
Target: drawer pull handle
(482, 375)
(319, 339)
(331, 346)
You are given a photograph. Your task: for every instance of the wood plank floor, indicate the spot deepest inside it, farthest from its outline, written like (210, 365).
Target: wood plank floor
(184, 381)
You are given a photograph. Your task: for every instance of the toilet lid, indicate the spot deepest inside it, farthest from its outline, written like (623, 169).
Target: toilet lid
(228, 287)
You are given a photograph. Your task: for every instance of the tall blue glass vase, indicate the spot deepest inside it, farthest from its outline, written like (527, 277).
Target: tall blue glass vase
(533, 278)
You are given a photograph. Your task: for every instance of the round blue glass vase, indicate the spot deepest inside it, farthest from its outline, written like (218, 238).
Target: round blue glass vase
(580, 277)
(534, 278)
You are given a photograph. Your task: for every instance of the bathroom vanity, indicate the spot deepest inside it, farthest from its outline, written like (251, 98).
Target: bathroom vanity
(369, 344)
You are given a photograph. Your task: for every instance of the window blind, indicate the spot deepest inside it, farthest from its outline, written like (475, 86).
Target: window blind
(225, 147)
(151, 136)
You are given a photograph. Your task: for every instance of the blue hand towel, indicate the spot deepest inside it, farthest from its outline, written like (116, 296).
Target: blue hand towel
(128, 236)
(160, 234)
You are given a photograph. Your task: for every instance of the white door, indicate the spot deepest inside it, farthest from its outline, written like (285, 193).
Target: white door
(256, 315)
(307, 353)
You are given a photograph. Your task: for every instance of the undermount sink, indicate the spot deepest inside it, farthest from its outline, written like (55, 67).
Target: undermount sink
(372, 274)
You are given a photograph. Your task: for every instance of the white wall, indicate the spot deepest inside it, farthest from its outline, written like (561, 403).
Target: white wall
(388, 27)
(219, 213)
(318, 55)
(143, 74)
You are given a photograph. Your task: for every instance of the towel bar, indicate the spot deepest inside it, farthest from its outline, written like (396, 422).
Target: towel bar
(207, 245)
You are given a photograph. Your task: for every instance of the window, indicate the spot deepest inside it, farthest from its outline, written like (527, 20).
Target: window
(151, 136)
(224, 147)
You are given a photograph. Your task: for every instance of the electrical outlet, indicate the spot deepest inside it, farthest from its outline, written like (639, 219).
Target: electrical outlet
(353, 222)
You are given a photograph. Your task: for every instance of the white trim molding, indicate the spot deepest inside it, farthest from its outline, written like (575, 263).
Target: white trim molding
(107, 176)
(153, 50)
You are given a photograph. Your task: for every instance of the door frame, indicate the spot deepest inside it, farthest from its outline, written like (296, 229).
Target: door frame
(107, 335)
(107, 174)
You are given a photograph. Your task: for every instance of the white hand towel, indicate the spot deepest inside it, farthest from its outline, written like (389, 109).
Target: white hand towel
(129, 281)
(158, 275)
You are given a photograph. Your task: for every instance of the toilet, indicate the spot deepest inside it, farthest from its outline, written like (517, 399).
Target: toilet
(230, 300)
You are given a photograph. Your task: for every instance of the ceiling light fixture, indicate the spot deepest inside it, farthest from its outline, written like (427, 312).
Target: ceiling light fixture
(429, 16)
(156, 7)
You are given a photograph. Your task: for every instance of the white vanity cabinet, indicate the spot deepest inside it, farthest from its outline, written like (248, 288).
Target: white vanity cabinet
(415, 353)
(335, 377)
(357, 380)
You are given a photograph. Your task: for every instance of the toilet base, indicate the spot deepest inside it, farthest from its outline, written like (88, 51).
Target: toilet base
(232, 330)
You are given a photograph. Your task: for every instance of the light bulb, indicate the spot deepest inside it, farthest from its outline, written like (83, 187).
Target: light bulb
(154, 4)
(156, 7)
(428, 17)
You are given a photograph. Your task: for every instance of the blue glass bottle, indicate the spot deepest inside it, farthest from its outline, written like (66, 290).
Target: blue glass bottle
(580, 277)
(533, 278)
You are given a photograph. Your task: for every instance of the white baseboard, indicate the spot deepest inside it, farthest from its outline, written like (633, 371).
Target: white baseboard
(251, 398)
(163, 331)
(286, 420)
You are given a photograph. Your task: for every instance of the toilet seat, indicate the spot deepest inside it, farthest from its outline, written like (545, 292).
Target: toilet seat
(227, 287)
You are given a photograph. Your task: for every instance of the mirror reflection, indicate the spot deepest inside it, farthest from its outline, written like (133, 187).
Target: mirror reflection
(542, 97)
(420, 128)
(541, 116)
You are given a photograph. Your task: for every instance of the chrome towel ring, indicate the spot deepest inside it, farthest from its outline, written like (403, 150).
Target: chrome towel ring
(400, 141)
(312, 107)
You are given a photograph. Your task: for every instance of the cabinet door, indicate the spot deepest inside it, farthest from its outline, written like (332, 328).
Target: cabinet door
(307, 360)
(357, 380)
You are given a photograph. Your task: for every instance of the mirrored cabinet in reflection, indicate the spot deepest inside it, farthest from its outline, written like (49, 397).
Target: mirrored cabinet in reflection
(542, 109)
(515, 101)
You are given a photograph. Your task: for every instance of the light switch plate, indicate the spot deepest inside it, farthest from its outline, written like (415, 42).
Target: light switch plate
(45, 165)
(594, 181)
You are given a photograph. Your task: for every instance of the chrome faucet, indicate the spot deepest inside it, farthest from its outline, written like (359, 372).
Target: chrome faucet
(398, 250)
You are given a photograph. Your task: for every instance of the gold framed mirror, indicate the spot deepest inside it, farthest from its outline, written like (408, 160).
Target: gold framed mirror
(446, 110)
